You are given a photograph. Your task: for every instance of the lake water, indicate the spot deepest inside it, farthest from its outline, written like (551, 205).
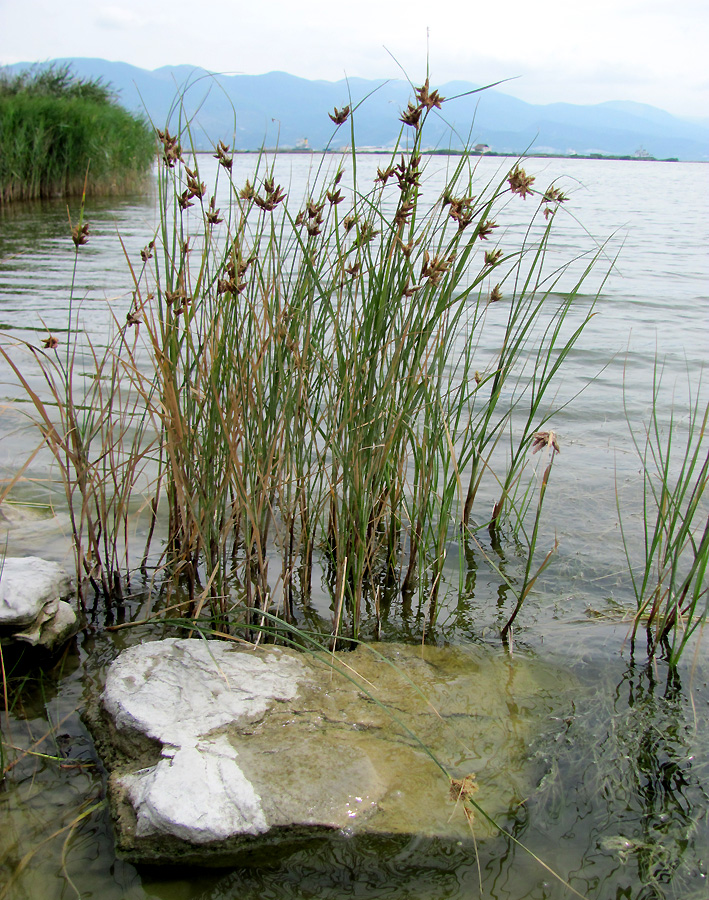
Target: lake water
(621, 806)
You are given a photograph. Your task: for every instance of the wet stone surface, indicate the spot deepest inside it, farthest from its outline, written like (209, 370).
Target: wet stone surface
(215, 749)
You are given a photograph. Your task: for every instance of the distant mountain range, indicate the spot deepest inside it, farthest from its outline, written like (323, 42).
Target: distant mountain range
(252, 111)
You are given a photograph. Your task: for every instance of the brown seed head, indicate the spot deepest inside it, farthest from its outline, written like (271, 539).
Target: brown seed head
(383, 175)
(313, 227)
(226, 286)
(195, 187)
(462, 788)
(313, 209)
(172, 152)
(365, 233)
(274, 196)
(405, 248)
(554, 195)
(222, 155)
(80, 234)
(542, 439)
(411, 115)
(247, 192)
(492, 257)
(520, 183)
(461, 210)
(50, 343)
(485, 229)
(340, 116)
(408, 175)
(184, 200)
(411, 289)
(213, 216)
(435, 268)
(428, 99)
(402, 214)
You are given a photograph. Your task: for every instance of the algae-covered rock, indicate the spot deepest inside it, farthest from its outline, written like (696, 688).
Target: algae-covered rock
(215, 748)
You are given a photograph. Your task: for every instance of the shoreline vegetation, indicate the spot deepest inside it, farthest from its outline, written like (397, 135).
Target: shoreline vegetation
(63, 136)
(300, 389)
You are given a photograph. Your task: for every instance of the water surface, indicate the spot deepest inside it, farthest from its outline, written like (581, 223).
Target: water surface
(621, 799)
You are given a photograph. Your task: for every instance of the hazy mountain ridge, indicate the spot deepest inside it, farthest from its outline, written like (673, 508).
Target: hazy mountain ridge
(250, 111)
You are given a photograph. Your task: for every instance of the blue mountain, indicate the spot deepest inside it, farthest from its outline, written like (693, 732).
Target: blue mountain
(252, 111)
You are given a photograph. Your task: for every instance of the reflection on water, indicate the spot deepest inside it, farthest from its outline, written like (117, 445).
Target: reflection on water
(627, 790)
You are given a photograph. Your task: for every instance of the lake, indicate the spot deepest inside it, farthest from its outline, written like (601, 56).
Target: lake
(620, 806)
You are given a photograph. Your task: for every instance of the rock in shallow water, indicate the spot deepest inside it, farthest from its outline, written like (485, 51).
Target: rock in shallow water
(215, 748)
(31, 608)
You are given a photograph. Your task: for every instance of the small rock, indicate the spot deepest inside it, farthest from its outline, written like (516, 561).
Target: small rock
(31, 605)
(52, 631)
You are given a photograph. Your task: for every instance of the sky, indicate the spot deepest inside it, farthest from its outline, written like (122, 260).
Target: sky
(648, 51)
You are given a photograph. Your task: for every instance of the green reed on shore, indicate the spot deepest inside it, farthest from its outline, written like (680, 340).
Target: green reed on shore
(61, 135)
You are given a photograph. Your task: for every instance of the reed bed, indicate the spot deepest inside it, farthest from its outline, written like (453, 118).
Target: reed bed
(308, 381)
(61, 135)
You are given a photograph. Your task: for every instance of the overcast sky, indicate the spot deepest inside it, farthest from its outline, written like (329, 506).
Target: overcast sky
(651, 51)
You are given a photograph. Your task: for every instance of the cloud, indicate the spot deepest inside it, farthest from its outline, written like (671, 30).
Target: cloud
(118, 18)
(646, 50)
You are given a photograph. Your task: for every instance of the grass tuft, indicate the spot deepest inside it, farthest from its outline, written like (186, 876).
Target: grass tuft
(310, 378)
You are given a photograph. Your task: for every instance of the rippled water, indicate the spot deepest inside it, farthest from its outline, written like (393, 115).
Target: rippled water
(622, 803)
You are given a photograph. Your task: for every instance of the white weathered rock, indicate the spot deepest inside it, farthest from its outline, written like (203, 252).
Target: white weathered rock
(31, 608)
(53, 631)
(219, 803)
(176, 690)
(215, 749)
(27, 586)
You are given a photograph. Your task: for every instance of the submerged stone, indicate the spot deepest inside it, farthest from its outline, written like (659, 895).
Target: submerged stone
(215, 749)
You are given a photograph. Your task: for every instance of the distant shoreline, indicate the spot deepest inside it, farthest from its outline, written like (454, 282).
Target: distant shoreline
(384, 151)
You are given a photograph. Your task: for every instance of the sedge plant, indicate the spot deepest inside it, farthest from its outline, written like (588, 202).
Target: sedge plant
(669, 581)
(310, 377)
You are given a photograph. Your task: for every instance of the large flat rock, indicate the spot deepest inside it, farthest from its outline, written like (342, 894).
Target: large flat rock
(215, 748)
